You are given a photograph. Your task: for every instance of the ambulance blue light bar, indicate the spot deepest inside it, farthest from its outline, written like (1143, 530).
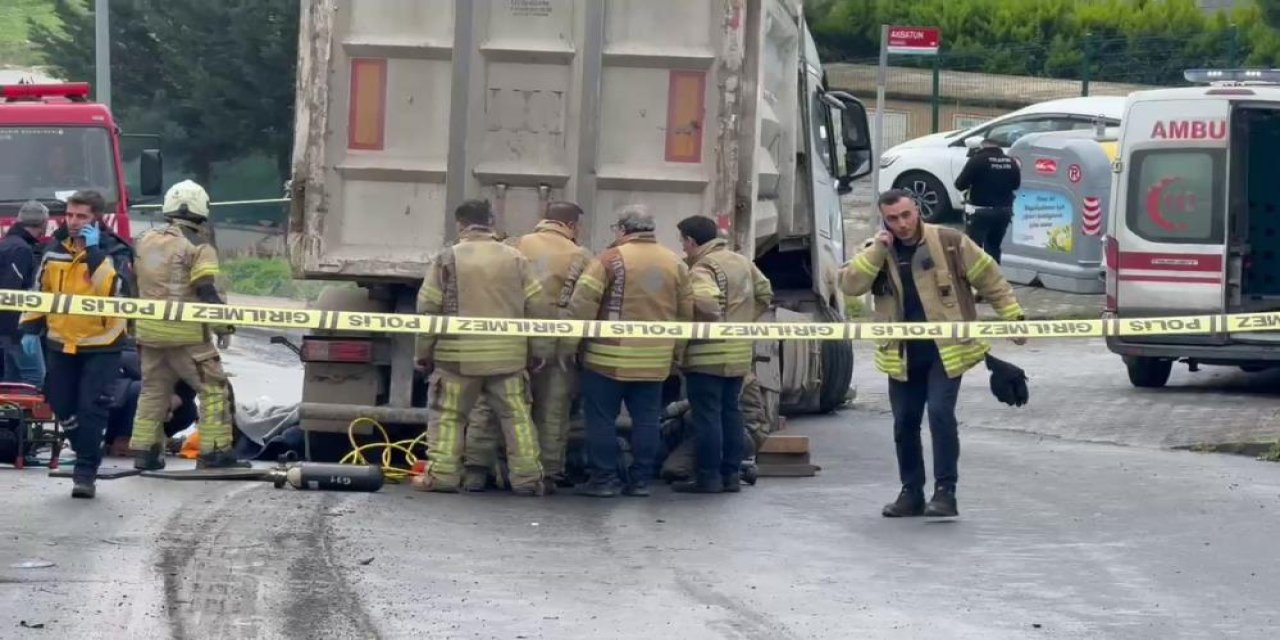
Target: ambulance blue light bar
(1208, 76)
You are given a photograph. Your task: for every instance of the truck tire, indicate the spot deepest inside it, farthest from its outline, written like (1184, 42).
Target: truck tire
(1149, 373)
(837, 369)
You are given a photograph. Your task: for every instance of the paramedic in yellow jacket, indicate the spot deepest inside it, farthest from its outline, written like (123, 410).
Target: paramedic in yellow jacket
(636, 279)
(83, 258)
(557, 260)
(177, 264)
(480, 277)
(727, 287)
(919, 272)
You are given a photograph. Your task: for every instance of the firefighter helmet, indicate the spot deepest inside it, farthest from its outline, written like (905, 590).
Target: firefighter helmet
(187, 195)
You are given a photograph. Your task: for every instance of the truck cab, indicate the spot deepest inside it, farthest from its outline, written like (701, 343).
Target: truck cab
(1196, 228)
(54, 142)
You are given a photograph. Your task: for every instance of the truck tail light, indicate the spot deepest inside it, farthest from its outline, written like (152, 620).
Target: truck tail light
(322, 350)
(1111, 263)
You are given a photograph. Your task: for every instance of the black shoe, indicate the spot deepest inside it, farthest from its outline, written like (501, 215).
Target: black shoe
(637, 490)
(732, 483)
(910, 503)
(221, 459)
(83, 490)
(83, 484)
(750, 473)
(701, 485)
(598, 489)
(943, 503)
(151, 459)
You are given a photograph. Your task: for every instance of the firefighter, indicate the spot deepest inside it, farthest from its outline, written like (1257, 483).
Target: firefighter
(480, 277)
(925, 273)
(636, 279)
(84, 258)
(727, 287)
(177, 263)
(557, 260)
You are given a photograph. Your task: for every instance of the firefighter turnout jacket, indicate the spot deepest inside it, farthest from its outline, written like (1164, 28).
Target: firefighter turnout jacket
(480, 277)
(172, 260)
(636, 279)
(727, 287)
(946, 268)
(104, 270)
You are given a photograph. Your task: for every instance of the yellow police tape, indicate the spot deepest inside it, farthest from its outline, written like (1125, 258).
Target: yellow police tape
(12, 300)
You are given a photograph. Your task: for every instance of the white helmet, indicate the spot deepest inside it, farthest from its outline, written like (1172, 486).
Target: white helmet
(187, 194)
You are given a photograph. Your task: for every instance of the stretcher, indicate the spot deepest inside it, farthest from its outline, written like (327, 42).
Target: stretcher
(27, 426)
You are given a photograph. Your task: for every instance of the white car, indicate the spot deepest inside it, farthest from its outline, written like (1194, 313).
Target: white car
(928, 166)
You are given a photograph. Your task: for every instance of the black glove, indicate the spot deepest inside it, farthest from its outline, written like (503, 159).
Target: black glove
(1008, 382)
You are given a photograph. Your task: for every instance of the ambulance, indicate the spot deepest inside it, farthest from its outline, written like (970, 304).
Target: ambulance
(1196, 220)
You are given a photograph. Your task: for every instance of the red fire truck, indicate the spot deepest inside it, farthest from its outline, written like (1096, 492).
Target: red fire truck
(53, 142)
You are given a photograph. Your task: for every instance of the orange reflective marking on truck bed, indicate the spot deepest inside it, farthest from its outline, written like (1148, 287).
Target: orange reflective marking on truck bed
(686, 104)
(366, 126)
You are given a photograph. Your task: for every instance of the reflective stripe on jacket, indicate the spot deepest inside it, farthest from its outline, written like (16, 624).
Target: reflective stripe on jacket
(947, 268)
(480, 277)
(92, 272)
(556, 259)
(171, 261)
(727, 287)
(636, 279)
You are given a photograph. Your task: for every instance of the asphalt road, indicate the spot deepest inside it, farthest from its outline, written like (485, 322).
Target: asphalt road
(1056, 539)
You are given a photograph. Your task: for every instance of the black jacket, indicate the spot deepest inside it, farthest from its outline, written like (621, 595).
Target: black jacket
(19, 257)
(991, 177)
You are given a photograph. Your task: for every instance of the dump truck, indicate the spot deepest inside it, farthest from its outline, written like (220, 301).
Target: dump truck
(406, 108)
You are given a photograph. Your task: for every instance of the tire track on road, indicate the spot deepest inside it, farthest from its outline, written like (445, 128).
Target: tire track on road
(253, 565)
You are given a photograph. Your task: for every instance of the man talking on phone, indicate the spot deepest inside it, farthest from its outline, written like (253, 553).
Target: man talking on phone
(83, 259)
(921, 272)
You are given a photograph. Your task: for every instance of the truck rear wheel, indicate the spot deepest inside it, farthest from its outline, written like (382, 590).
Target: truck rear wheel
(1149, 373)
(837, 369)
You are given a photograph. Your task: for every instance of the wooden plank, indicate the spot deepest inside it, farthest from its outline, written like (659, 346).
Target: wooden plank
(782, 458)
(776, 443)
(786, 470)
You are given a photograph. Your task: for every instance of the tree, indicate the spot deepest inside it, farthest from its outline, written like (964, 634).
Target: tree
(68, 46)
(1270, 12)
(216, 78)
(1147, 42)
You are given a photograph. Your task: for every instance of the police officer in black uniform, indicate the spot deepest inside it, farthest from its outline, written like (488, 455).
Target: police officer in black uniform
(990, 177)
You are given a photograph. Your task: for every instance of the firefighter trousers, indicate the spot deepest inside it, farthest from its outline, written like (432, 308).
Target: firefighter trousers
(553, 390)
(200, 366)
(451, 400)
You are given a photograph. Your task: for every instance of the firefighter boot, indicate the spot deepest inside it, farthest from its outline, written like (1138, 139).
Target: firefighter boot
(221, 459)
(732, 483)
(475, 479)
(910, 503)
(943, 503)
(150, 459)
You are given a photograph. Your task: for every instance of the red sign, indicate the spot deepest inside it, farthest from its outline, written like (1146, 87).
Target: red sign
(1170, 198)
(1046, 166)
(914, 40)
(1189, 130)
(1075, 174)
